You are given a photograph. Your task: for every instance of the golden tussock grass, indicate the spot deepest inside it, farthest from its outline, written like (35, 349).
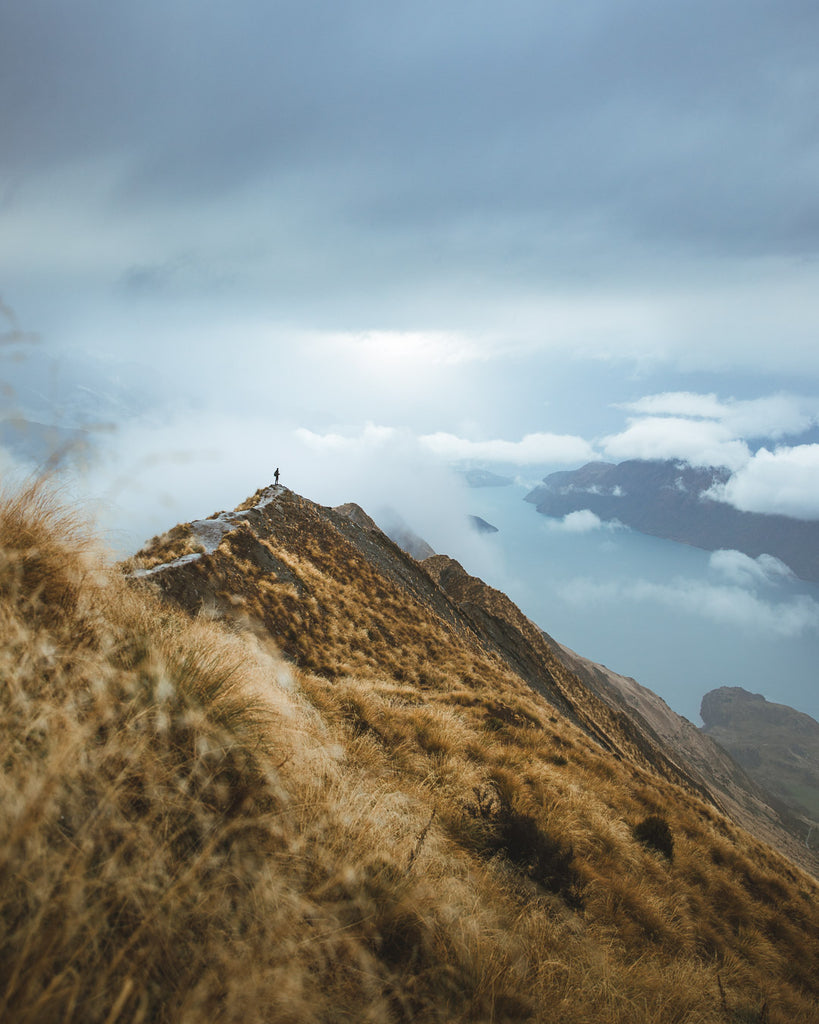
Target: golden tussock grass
(394, 828)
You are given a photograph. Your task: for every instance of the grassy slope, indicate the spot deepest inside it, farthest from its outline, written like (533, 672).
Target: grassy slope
(396, 829)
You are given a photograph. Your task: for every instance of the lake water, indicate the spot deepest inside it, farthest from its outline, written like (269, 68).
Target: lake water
(670, 615)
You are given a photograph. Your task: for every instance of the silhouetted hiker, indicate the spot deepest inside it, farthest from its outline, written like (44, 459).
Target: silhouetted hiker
(276, 476)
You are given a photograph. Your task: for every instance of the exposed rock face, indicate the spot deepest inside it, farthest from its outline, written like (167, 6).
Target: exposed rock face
(338, 596)
(776, 745)
(481, 525)
(666, 499)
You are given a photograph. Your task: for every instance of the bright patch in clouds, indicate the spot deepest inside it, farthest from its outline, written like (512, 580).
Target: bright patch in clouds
(398, 349)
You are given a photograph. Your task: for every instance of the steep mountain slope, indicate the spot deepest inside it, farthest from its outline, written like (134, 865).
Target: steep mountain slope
(373, 816)
(777, 746)
(482, 621)
(665, 499)
(621, 717)
(503, 628)
(745, 796)
(647, 727)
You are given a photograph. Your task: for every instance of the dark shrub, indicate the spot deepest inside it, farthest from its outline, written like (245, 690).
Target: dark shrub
(653, 831)
(520, 838)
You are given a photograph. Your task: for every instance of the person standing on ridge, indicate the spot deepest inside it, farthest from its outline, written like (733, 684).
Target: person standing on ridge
(276, 476)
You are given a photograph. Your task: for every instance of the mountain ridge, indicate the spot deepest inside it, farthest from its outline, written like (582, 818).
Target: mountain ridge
(670, 500)
(272, 771)
(482, 618)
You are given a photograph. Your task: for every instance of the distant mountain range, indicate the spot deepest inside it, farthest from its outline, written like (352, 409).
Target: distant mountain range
(668, 500)
(485, 478)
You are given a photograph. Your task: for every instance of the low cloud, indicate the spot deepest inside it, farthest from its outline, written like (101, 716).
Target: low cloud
(744, 596)
(151, 475)
(746, 571)
(533, 449)
(582, 521)
(730, 605)
(783, 481)
(705, 430)
(696, 441)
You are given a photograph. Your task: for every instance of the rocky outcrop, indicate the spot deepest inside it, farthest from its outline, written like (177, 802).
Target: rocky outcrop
(480, 525)
(775, 744)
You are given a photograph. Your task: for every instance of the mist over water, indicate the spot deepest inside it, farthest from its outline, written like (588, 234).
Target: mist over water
(674, 617)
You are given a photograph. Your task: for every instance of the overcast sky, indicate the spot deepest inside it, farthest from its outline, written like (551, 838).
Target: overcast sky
(364, 239)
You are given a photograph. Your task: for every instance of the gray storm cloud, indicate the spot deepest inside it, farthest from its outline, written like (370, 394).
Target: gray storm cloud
(686, 127)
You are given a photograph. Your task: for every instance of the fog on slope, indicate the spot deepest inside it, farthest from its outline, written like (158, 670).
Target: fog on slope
(154, 472)
(680, 620)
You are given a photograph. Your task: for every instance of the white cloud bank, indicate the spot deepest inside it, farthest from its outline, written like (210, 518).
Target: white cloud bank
(370, 437)
(582, 521)
(698, 442)
(772, 416)
(704, 430)
(784, 481)
(533, 449)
